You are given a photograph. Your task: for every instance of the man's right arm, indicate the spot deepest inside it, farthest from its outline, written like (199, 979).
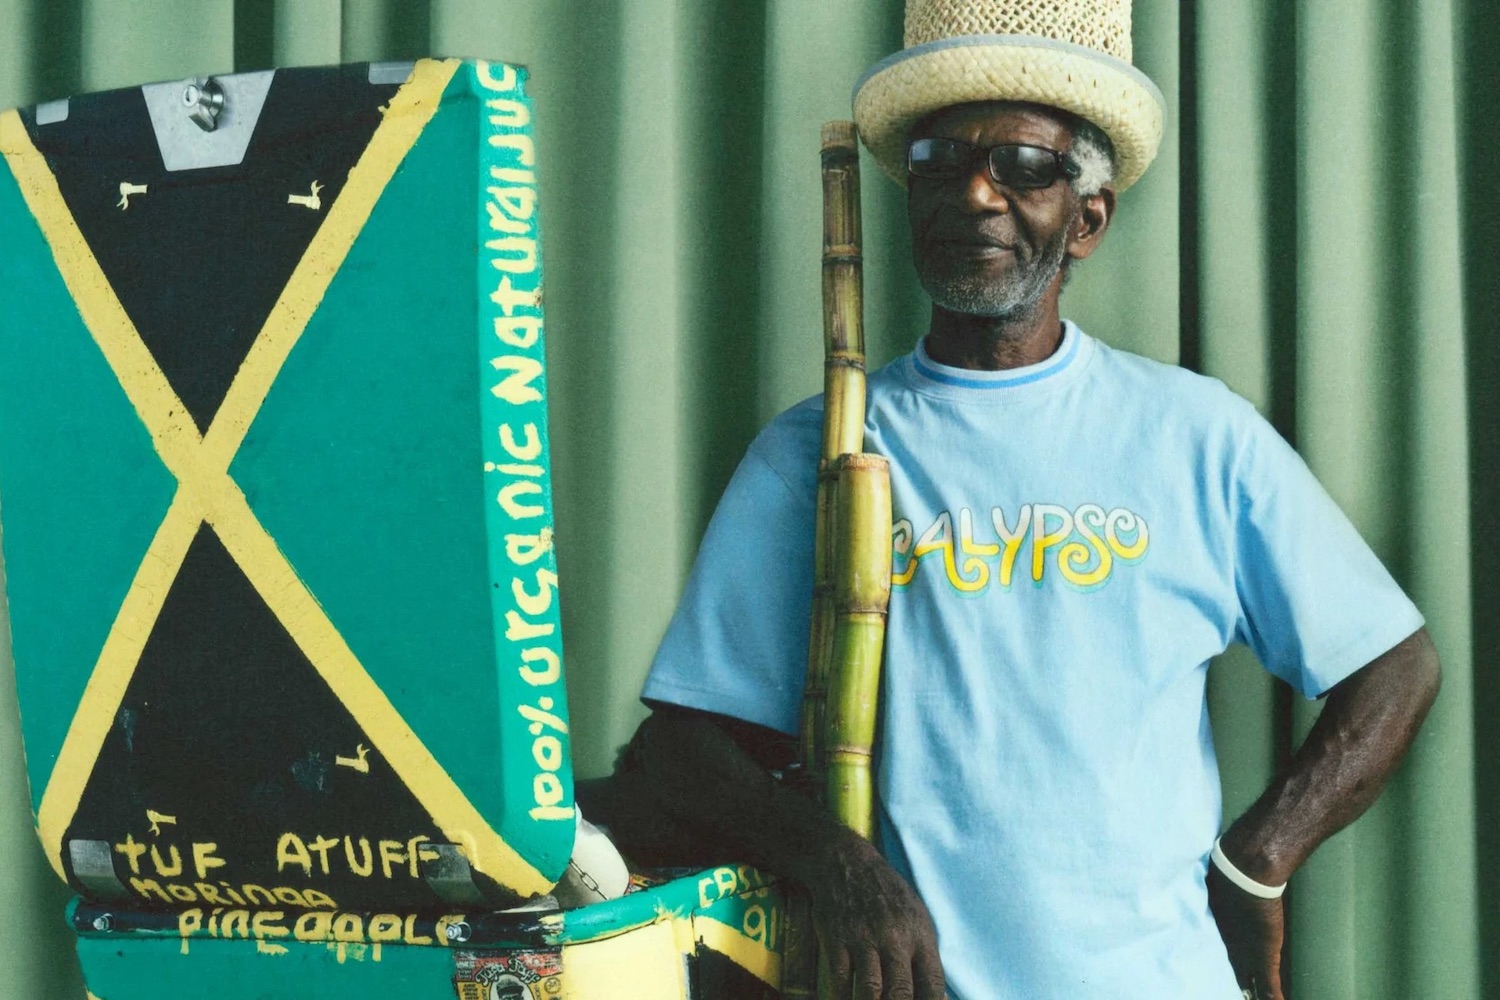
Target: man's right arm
(697, 788)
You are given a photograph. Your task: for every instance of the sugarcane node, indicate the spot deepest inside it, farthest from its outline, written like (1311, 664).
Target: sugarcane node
(864, 461)
(838, 132)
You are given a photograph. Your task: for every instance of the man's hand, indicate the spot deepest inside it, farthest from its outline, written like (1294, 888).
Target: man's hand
(1253, 929)
(874, 932)
(694, 788)
(1365, 728)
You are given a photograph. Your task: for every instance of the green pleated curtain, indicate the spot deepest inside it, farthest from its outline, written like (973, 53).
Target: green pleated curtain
(1319, 231)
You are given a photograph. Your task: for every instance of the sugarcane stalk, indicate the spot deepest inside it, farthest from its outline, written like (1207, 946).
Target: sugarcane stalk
(820, 638)
(851, 538)
(843, 295)
(862, 592)
(843, 414)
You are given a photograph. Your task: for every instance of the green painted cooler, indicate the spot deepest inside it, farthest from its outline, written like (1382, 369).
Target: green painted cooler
(277, 525)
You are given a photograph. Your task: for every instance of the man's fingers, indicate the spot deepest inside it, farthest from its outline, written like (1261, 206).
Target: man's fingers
(837, 961)
(867, 978)
(896, 977)
(928, 970)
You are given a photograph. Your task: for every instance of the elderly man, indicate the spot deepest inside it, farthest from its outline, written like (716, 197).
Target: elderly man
(1078, 531)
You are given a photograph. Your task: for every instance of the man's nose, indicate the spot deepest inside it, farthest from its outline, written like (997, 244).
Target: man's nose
(981, 194)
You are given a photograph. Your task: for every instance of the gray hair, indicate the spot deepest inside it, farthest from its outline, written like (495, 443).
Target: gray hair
(1095, 156)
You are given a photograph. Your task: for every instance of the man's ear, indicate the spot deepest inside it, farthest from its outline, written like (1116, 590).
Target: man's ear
(1094, 215)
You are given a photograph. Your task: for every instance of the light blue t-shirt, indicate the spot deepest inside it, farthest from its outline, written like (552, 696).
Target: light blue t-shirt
(1073, 542)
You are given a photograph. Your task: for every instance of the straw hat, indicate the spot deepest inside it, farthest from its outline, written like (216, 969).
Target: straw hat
(1069, 54)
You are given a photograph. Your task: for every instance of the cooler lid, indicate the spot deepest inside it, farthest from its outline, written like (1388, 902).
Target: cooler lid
(275, 489)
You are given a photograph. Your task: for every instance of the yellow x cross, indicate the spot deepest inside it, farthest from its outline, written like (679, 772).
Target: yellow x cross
(206, 493)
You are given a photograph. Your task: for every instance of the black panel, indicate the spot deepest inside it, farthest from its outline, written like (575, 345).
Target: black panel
(715, 976)
(229, 730)
(200, 259)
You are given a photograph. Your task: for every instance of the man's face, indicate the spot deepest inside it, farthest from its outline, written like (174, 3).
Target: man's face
(981, 248)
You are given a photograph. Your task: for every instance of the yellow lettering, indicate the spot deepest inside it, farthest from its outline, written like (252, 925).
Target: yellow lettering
(541, 717)
(146, 886)
(209, 894)
(901, 539)
(416, 853)
(511, 175)
(1121, 521)
(348, 927)
(518, 331)
(313, 927)
(510, 114)
(164, 869)
(538, 603)
(411, 936)
(502, 221)
(315, 898)
(204, 859)
(362, 870)
(547, 751)
(290, 850)
(1042, 539)
(182, 893)
(519, 511)
(987, 550)
(291, 897)
(521, 452)
(553, 812)
(1011, 540)
(518, 205)
(251, 890)
(524, 550)
(508, 298)
(974, 557)
(551, 672)
(516, 254)
(390, 854)
(484, 71)
(516, 388)
(385, 927)
(754, 925)
(1074, 558)
(132, 852)
(725, 881)
(233, 919)
(320, 846)
(267, 924)
(518, 629)
(939, 538)
(546, 789)
(522, 143)
(189, 922)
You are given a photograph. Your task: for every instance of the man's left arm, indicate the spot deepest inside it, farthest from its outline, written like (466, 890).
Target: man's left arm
(1368, 721)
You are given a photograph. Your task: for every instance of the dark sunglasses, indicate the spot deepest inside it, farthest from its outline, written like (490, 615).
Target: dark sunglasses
(1011, 164)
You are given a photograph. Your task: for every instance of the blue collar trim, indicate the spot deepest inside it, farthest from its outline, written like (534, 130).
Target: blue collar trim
(969, 379)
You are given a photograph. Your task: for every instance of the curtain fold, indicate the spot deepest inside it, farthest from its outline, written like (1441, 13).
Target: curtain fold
(1319, 233)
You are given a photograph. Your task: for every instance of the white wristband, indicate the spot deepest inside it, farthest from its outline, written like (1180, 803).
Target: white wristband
(1242, 880)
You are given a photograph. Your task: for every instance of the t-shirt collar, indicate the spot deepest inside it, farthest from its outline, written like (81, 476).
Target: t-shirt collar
(924, 369)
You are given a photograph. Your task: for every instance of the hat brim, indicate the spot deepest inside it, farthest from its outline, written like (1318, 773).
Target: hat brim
(901, 90)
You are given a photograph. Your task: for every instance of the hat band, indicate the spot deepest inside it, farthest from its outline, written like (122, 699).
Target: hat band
(1015, 41)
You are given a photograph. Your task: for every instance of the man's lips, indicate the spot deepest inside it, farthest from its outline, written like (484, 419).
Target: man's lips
(971, 246)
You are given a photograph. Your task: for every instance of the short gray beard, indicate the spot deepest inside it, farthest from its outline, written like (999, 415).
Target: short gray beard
(970, 295)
